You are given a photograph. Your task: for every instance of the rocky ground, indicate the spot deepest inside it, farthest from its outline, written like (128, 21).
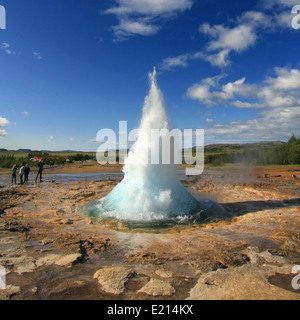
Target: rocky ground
(52, 251)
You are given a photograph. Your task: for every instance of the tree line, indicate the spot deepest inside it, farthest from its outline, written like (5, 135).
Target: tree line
(8, 160)
(283, 154)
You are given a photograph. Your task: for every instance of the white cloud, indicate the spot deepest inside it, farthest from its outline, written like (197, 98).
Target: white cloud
(4, 46)
(150, 7)
(201, 92)
(246, 105)
(277, 97)
(37, 55)
(182, 60)
(237, 39)
(271, 124)
(283, 90)
(130, 27)
(228, 91)
(26, 113)
(255, 19)
(243, 33)
(287, 79)
(219, 59)
(51, 138)
(223, 40)
(71, 139)
(141, 17)
(9, 52)
(3, 122)
(171, 62)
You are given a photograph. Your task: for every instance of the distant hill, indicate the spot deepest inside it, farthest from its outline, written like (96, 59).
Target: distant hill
(209, 149)
(259, 153)
(231, 148)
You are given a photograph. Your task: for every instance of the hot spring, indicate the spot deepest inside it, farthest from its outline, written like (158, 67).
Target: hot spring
(151, 195)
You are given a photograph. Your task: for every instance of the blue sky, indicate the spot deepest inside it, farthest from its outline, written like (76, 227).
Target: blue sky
(69, 68)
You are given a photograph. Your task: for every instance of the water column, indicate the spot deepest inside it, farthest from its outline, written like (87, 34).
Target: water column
(148, 191)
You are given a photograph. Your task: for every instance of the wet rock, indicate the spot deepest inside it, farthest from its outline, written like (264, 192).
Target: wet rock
(92, 246)
(290, 256)
(34, 290)
(18, 264)
(156, 287)
(69, 260)
(232, 258)
(113, 278)
(291, 245)
(204, 265)
(85, 246)
(296, 236)
(269, 256)
(273, 259)
(25, 267)
(60, 260)
(66, 286)
(162, 273)
(59, 212)
(47, 260)
(249, 282)
(145, 257)
(9, 291)
(15, 226)
(46, 241)
(66, 221)
(254, 255)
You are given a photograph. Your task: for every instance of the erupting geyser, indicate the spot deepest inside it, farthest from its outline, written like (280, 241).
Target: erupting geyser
(149, 192)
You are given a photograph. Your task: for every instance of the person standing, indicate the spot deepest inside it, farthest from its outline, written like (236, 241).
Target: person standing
(26, 173)
(14, 175)
(40, 170)
(21, 173)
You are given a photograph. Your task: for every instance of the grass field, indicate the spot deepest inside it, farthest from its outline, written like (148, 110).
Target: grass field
(8, 158)
(22, 154)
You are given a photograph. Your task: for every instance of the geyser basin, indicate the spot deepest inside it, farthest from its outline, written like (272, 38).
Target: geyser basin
(151, 194)
(206, 211)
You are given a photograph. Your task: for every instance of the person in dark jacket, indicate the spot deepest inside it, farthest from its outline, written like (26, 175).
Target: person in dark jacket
(14, 175)
(40, 170)
(26, 173)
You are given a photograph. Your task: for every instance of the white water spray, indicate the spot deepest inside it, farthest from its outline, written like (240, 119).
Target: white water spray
(148, 192)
